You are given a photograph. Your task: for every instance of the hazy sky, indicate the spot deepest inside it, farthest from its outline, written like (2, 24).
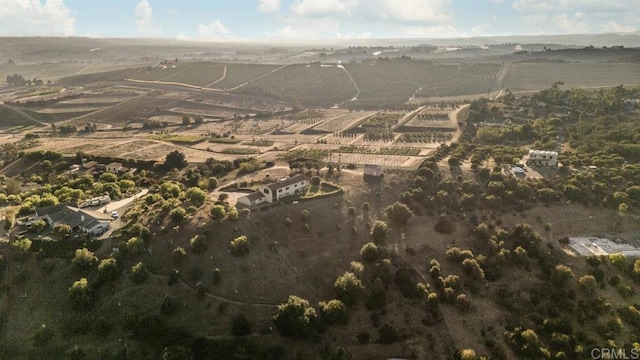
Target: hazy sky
(326, 19)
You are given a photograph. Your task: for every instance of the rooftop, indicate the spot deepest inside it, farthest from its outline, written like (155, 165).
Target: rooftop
(542, 152)
(255, 196)
(286, 182)
(586, 246)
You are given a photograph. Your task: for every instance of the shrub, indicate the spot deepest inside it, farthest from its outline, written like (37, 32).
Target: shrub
(177, 214)
(138, 273)
(349, 288)
(169, 306)
(462, 302)
(240, 246)
(379, 232)
(201, 290)
(196, 196)
(240, 326)
(215, 276)
(178, 254)
(233, 213)
(108, 269)
(134, 246)
(352, 211)
(287, 221)
(315, 180)
(370, 252)
(80, 294)
(333, 312)
(84, 258)
(43, 336)
(218, 212)
(444, 225)
(198, 244)
(398, 213)
(295, 317)
(304, 214)
(365, 206)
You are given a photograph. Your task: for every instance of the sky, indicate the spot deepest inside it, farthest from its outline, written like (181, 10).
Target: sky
(256, 20)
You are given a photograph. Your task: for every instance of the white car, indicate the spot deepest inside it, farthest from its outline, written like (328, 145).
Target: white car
(114, 214)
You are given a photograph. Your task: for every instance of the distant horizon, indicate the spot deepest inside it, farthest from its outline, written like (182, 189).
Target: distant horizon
(289, 21)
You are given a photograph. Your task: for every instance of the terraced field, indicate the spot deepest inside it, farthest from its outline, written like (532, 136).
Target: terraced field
(304, 85)
(196, 74)
(537, 76)
(125, 112)
(238, 74)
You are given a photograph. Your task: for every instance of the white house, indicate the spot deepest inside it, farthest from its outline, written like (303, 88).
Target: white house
(253, 199)
(542, 158)
(288, 186)
(91, 222)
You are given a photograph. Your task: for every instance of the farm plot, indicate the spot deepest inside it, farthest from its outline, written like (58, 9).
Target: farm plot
(304, 85)
(455, 80)
(157, 73)
(343, 122)
(395, 161)
(197, 75)
(125, 112)
(429, 120)
(238, 74)
(538, 76)
(255, 126)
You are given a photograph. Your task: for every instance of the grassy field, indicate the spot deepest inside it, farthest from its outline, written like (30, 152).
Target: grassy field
(55, 71)
(12, 118)
(537, 76)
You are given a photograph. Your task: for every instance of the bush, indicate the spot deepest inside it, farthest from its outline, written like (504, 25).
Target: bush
(169, 306)
(108, 269)
(134, 246)
(215, 276)
(196, 196)
(370, 252)
(201, 290)
(178, 254)
(218, 212)
(294, 318)
(304, 214)
(43, 336)
(287, 221)
(365, 206)
(240, 326)
(240, 246)
(138, 273)
(352, 211)
(333, 312)
(80, 294)
(233, 214)
(388, 334)
(379, 232)
(84, 259)
(198, 244)
(178, 214)
(444, 225)
(399, 213)
(349, 288)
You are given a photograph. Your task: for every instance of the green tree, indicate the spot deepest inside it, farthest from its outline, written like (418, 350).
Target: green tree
(295, 317)
(398, 213)
(240, 246)
(370, 252)
(108, 269)
(196, 196)
(198, 244)
(333, 311)
(218, 212)
(177, 214)
(134, 246)
(43, 336)
(80, 294)
(178, 255)
(175, 160)
(379, 232)
(62, 231)
(349, 288)
(84, 259)
(139, 273)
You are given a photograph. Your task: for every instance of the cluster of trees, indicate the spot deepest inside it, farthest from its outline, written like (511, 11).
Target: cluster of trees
(19, 80)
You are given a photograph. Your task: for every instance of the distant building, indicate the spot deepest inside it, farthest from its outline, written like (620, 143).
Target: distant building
(89, 165)
(288, 186)
(543, 158)
(373, 173)
(114, 167)
(91, 222)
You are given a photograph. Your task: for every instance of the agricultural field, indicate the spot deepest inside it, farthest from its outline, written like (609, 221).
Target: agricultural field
(342, 122)
(55, 71)
(429, 120)
(304, 85)
(460, 79)
(540, 75)
(125, 112)
(238, 74)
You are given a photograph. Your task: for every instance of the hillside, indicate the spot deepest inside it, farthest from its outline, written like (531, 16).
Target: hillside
(11, 117)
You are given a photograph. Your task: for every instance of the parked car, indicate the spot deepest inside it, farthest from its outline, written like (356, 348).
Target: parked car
(114, 214)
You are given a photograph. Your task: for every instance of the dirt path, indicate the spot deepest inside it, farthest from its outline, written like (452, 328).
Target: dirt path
(224, 75)
(82, 70)
(453, 116)
(258, 78)
(355, 84)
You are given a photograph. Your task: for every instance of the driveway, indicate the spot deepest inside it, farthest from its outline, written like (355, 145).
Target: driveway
(118, 205)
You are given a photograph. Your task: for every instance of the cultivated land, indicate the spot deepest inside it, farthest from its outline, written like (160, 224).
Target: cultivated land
(479, 263)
